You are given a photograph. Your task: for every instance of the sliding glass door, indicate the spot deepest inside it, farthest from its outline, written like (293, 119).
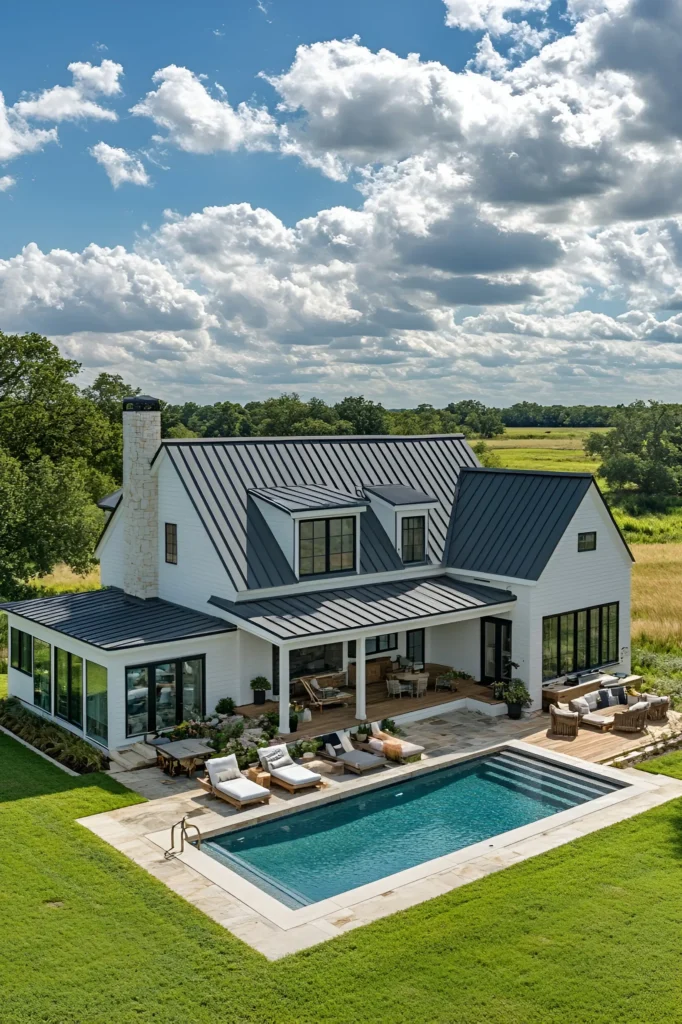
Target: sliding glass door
(96, 702)
(161, 695)
(495, 650)
(42, 658)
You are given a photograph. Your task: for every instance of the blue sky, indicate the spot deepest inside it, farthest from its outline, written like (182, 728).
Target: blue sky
(422, 200)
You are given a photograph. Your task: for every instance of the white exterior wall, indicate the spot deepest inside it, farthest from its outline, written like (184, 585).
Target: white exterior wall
(574, 580)
(110, 553)
(255, 659)
(141, 438)
(457, 644)
(199, 572)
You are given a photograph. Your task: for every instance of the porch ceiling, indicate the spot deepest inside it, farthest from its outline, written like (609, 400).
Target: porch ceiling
(385, 605)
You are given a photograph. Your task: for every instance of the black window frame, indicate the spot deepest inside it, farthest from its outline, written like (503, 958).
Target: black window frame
(151, 667)
(17, 640)
(77, 724)
(503, 667)
(587, 545)
(327, 554)
(409, 643)
(171, 543)
(391, 644)
(596, 628)
(406, 527)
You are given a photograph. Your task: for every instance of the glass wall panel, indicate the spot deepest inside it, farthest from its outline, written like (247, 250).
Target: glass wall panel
(595, 648)
(566, 643)
(550, 646)
(14, 648)
(137, 701)
(62, 683)
(414, 645)
(192, 688)
(42, 654)
(612, 649)
(76, 692)
(96, 702)
(21, 650)
(581, 640)
(165, 683)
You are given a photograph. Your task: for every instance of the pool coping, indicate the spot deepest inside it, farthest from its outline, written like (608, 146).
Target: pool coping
(316, 922)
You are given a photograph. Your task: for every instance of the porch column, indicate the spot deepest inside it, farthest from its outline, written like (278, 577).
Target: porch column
(284, 698)
(360, 688)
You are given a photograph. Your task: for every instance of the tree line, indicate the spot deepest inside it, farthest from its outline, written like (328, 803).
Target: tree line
(61, 445)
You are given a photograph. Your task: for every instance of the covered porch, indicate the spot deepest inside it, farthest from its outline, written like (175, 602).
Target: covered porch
(428, 614)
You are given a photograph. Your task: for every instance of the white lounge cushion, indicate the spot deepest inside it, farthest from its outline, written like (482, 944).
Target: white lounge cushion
(221, 769)
(654, 698)
(374, 744)
(295, 775)
(410, 749)
(599, 720)
(243, 789)
(639, 706)
(563, 712)
(271, 756)
(345, 741)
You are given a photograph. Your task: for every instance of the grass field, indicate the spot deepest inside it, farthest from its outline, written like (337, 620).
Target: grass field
(90, 938)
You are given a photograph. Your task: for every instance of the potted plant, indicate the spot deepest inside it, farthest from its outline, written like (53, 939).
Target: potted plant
(309, 748)
(514, 693)
(363, 733)
(259, 684)
(293, 718)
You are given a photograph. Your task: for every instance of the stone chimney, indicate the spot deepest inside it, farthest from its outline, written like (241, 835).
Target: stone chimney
(141, 439)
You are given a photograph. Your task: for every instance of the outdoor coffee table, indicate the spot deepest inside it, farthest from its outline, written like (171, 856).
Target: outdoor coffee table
(184, 755)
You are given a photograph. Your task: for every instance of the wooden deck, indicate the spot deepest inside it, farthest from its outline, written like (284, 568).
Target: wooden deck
(597, 746)
(379, 706)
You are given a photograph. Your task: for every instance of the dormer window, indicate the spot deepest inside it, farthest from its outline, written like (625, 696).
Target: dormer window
(326, 545)
(413, 540)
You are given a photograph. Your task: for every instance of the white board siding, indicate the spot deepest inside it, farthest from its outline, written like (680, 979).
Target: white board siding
(457, 644)
(111, 557)
(574, 580)
(255, 659)
(199, 573)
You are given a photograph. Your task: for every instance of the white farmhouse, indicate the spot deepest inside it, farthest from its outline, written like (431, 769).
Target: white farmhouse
(228, 558)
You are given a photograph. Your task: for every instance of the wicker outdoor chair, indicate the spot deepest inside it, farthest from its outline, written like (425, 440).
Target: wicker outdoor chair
(658, 707)
(563, 722)
(632, 720)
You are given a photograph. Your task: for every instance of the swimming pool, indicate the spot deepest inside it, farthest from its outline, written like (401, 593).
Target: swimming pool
(307, 856)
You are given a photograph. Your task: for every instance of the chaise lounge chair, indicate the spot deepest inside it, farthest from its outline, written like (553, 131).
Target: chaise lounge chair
(337, 747)
(324, 697)
(284, 772)
(392, 746)
(225, 781)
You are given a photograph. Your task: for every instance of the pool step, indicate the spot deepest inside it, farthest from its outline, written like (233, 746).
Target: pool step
(589, 782)
(562, 790)
(520, 785)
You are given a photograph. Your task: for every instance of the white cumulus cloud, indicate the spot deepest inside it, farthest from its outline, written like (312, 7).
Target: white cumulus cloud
(490, 15)
(198, 122)
(79, 100)
(6, 182)
(120, 165)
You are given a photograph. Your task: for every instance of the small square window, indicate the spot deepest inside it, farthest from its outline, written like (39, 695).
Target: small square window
(172, 543)
(587, 541)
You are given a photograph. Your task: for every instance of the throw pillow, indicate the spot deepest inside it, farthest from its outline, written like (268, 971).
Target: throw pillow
(620, 695)
(592, 699)
(602, 699)
(227, 775)
(580, 705)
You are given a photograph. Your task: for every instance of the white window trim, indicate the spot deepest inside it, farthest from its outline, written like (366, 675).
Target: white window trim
(407, 512)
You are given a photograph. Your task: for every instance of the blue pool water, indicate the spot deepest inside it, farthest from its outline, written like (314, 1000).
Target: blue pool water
(311, 855)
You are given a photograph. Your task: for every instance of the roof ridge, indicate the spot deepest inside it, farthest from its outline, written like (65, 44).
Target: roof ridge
(304, 438)
(579, 475)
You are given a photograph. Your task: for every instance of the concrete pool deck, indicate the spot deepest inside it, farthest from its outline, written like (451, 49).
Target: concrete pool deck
(142, 832)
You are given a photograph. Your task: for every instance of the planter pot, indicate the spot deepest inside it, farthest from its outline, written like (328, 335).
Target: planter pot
(514, 710)
(293, 723)
(259, 696)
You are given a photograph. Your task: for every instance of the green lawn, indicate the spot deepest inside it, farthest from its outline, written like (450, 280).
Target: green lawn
(667, 764)
(587, 933)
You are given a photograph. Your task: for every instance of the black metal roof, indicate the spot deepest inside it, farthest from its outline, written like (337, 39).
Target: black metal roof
(382, 605)
(307, 498)
(113, 621)
(219, 473)
(110, 502)
(507, 522)
(399, 494)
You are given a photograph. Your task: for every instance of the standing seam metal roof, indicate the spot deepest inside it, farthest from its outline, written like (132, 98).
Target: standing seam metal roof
(382, 605)
(218, 475)
(307, 499)
(113, 621)
(508, 522)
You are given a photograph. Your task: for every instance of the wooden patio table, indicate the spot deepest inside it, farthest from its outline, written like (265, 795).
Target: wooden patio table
(410, 678)
(184, 755)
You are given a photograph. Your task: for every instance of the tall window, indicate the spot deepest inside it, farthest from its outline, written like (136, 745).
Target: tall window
(413, 547)
(96, 702)
(68, 687)
(587, 541)
(161, 695)
(376, 644)
(21, 653)
(42, 657)
(326, 545)
(579, 640)
(414, 645)
(172, 543)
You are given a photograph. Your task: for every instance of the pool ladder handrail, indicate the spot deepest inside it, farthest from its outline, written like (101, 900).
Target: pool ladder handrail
(183, 826)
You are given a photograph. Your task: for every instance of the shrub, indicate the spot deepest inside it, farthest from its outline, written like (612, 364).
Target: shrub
(225, 706)
(388, 725)
(513, 691)
(51, 739)
(260, 683)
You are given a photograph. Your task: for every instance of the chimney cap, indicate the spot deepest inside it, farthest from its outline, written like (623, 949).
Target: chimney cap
(141, 403)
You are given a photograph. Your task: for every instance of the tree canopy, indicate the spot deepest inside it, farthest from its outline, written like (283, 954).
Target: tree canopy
(643, 451)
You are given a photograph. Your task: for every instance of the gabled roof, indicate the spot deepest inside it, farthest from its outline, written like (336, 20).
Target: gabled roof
(399, 494)
(114, 621)
(218, 475)
(307, 498)
(381, 605)
(507, 522)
